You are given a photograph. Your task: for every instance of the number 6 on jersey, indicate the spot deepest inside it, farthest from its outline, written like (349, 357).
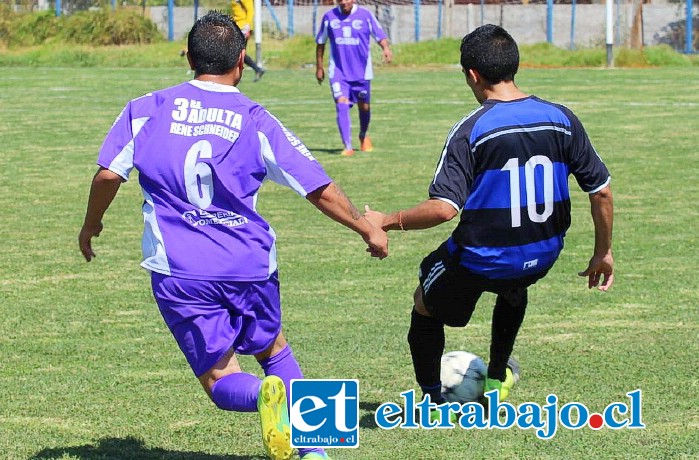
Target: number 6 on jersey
(198, 180)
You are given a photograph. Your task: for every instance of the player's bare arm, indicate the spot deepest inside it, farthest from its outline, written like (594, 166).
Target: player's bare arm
(104, 188)
(320, 72)
(387, 53)
(334, 203)
(427, 214)
(600, 269)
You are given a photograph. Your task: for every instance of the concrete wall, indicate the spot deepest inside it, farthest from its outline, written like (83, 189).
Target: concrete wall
(526, 23)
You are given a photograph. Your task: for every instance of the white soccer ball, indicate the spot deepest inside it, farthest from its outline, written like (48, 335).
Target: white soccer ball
(463, 375)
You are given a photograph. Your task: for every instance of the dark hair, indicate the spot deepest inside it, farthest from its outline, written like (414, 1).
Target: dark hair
(214, 44)
(492, 52)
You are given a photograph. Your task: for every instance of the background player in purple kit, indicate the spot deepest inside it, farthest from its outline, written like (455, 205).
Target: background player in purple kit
(202, 150)
(349, 29)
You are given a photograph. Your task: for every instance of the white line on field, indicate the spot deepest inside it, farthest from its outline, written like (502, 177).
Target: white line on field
(426, 102)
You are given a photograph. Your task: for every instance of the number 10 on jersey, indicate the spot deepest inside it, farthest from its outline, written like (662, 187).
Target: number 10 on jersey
(530, 186)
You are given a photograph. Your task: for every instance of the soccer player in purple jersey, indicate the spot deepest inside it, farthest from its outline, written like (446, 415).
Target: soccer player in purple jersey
(505, 168)
(202, 150)
(349, 28)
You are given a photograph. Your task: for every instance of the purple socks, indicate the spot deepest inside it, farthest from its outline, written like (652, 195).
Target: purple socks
(236, 392)
(344, 124)
(285, 366)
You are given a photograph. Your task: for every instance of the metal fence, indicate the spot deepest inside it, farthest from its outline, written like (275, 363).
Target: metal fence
(566, 24)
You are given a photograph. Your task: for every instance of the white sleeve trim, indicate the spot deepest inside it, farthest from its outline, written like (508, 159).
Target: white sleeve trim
(607, 182)
(122, 164)
(446, 200)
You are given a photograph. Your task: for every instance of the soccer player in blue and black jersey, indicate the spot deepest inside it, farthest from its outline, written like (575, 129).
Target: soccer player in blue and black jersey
(505, 167)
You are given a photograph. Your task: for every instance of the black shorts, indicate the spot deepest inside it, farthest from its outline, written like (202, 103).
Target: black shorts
(450, 291)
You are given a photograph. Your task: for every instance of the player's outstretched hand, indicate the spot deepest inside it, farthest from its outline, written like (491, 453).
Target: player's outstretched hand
(375, 217)
(377, 243)
(320, 75)
(600, 268)
(378, 240)
(85, 240)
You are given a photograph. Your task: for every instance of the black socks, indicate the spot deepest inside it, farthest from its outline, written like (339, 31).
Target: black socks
(426, 340)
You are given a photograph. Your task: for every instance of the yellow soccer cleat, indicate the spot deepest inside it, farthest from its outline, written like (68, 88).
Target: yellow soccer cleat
(315, 456)
(504, 388)
(274, 416)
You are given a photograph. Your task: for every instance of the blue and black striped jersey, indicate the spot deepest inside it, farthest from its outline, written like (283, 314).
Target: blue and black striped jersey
(505, 166)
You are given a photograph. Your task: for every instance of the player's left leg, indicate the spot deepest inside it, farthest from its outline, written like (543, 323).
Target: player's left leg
(362, 92)
(272, 405)
(508, 315)
(279, 360)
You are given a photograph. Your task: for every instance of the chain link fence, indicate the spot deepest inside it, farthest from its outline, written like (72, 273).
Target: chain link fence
(566, 24)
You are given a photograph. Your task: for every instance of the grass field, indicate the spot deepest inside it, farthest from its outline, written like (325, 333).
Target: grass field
(90, 372)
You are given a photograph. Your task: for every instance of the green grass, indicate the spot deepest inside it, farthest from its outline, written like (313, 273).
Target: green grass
(89, 371)
(299, 52)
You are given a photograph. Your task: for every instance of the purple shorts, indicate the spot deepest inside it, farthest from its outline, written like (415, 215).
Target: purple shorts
(208, 318)
(355, 91)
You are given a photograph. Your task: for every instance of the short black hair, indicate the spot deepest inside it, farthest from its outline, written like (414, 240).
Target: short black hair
(214, 44)
(492, 52)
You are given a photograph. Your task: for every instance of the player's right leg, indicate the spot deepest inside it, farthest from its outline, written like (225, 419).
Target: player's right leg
(361, 91)
(344, 125)
(364, 109)
(341, 95)
(443, 297)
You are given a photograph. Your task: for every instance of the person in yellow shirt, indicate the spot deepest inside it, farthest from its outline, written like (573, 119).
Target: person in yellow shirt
(243, 15)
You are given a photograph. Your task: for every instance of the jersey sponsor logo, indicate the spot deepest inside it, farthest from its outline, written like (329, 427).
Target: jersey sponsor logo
(200, 217)
(335, 24)
(347, 41)
(357, 24)
(324, 413)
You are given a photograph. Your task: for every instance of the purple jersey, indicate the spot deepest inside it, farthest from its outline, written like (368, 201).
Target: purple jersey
(202, 151)
(350, 39)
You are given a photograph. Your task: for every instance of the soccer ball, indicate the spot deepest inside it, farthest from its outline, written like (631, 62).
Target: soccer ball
(463, 376)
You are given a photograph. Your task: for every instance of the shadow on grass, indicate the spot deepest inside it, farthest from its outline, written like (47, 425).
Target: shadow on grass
(328, 151)
(128, 449)
(367, 420)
